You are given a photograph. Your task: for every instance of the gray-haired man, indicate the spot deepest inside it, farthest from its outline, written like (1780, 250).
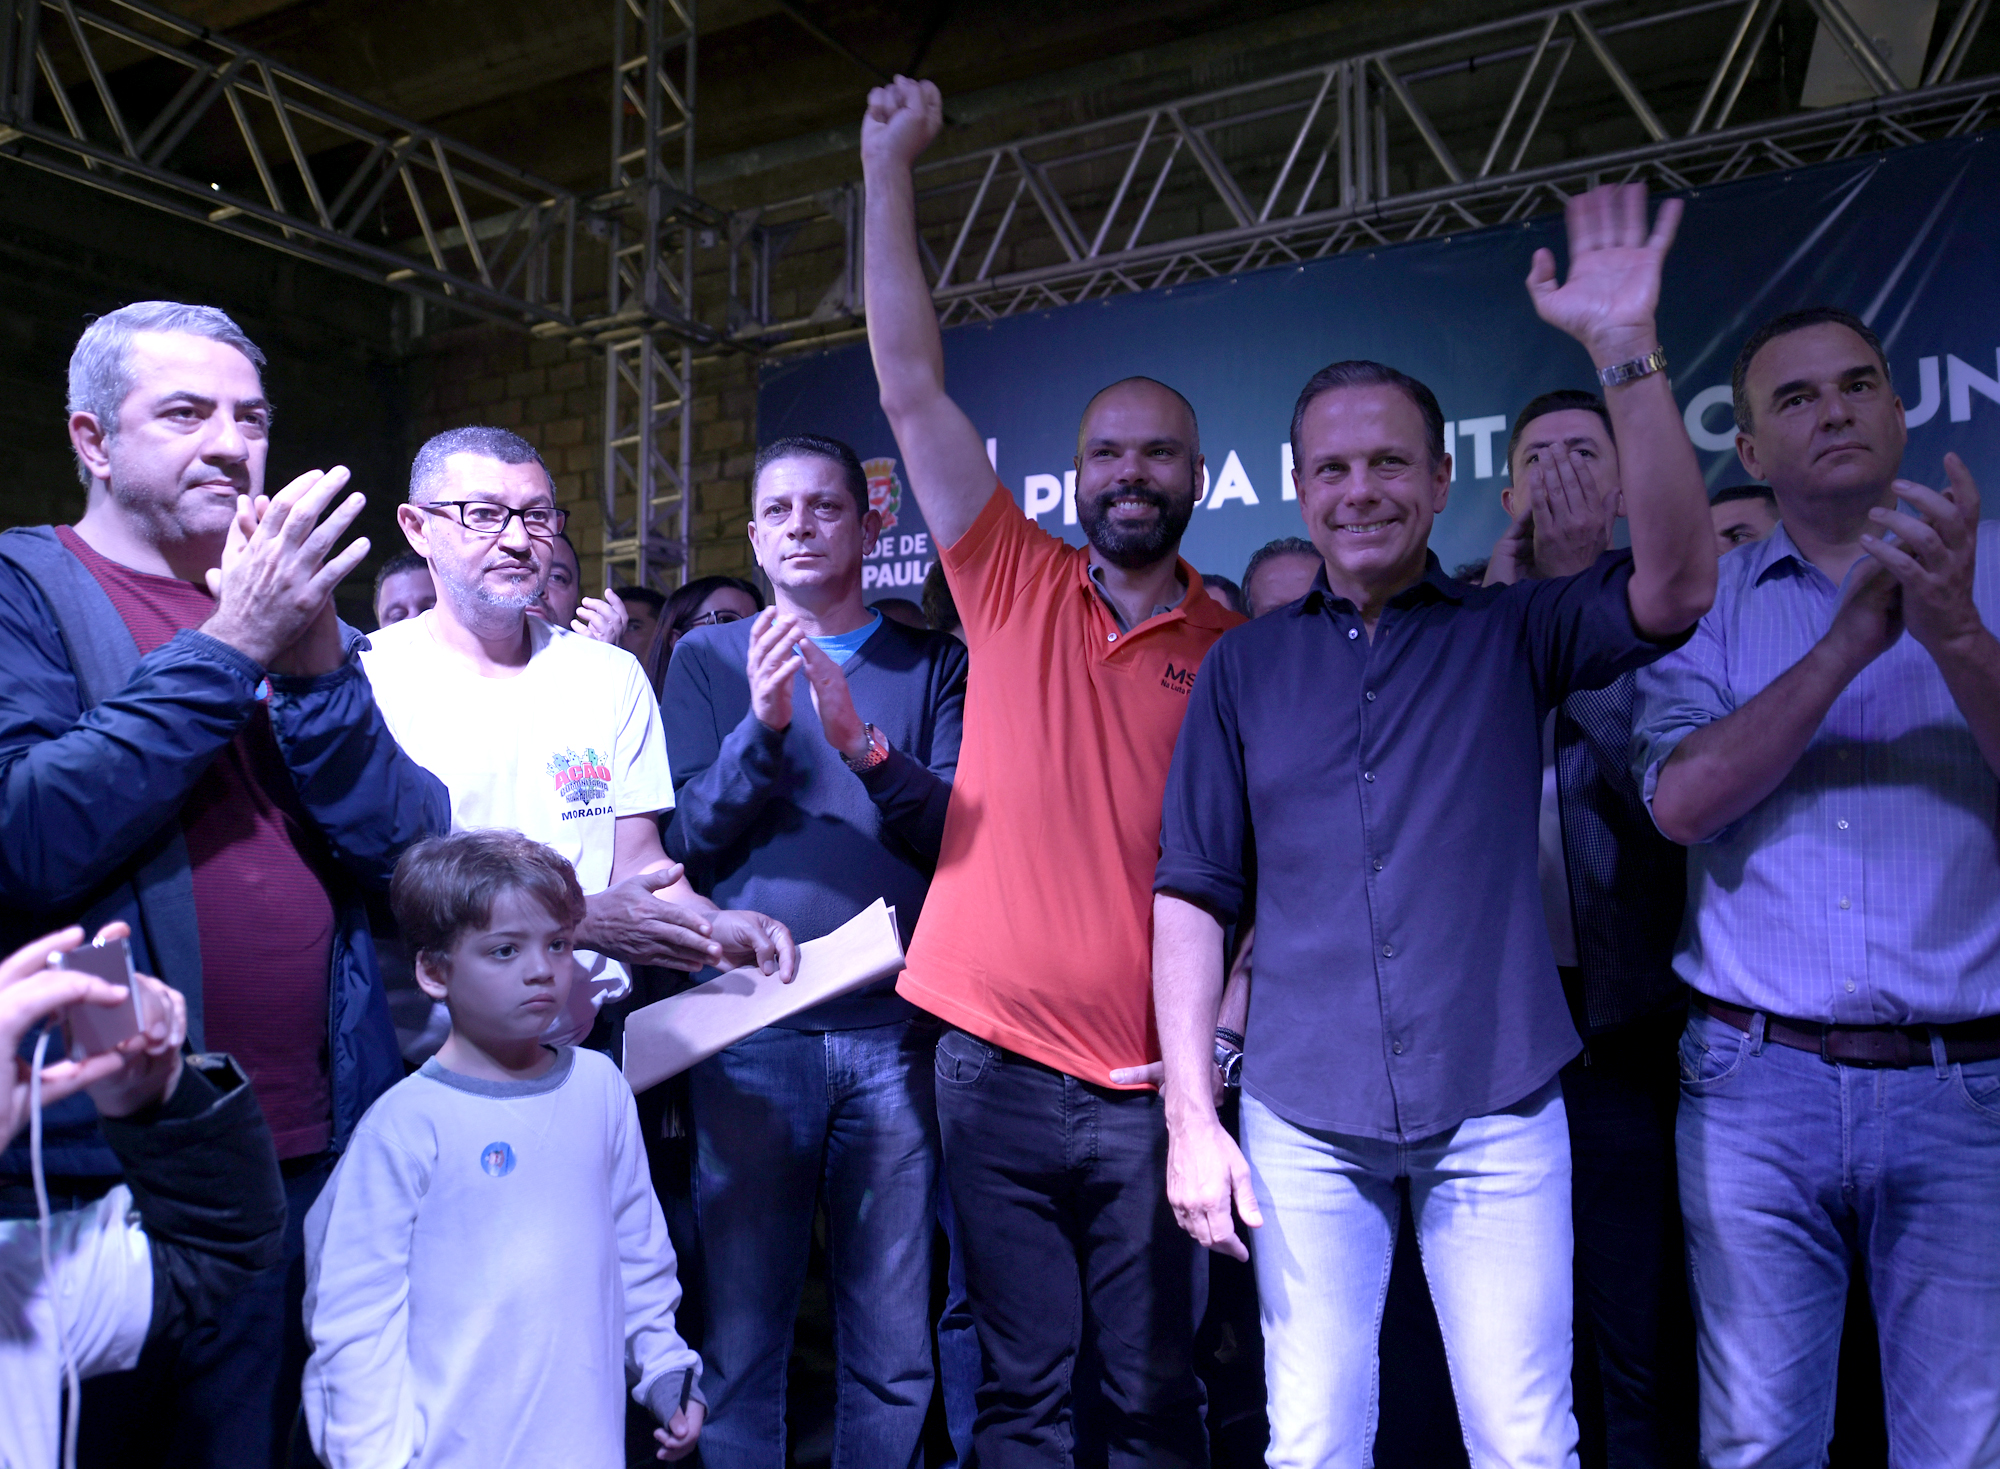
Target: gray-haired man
(542, 730)
(187, 744)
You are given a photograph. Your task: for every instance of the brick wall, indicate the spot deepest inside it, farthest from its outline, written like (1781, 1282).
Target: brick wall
(725, 449)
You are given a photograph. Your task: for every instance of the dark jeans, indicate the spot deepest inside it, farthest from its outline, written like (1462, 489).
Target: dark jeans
(1631, 1286)
(1230, 1351)
(1059, 1188)
(786, 1120)
(227, 1397)
(959, 1365)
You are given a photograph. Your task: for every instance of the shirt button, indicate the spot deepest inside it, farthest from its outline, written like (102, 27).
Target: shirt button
(1397, 1048)
(1111, 637)
(1378, 864)
(1844, 903)
(1368, 775)
(1841, 824)
(1369, 696)
(1353, 633)
(1388, 951)
(1850, 986)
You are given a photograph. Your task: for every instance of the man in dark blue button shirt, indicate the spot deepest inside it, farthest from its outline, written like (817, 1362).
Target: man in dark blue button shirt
(1368, 760)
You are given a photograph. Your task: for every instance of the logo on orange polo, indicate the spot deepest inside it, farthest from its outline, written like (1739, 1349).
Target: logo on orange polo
(1177, 679)
(885, 490)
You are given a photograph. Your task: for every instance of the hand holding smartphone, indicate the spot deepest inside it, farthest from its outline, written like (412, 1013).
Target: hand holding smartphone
(91, 1030)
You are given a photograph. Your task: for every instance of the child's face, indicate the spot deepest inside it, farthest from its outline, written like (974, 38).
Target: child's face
(509, 979)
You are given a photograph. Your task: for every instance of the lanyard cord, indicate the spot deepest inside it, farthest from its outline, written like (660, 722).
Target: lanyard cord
(71, 1383)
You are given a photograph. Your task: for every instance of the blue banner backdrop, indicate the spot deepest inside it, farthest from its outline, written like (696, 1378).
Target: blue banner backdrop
(1910, 241)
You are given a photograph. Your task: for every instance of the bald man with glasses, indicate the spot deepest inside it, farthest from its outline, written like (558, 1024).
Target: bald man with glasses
(538, 729)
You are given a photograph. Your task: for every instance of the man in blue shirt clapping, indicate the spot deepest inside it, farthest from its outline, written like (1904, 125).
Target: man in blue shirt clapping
(813, 750)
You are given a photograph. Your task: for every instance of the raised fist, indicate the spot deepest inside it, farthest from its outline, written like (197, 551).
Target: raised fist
(900, 122)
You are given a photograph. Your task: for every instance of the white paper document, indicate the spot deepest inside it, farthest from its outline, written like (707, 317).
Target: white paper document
(667, 1037)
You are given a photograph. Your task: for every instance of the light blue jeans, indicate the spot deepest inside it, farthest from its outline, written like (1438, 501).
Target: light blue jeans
(782, 1120)
(1492, 1207)
(1792, 1170)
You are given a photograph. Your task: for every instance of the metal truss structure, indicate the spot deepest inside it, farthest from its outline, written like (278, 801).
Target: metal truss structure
(650, 321)
(127, 98)
(1479, 127)
(1423, 138)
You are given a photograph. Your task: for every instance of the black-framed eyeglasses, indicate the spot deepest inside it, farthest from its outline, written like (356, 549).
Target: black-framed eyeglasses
(485, 518)
(715, 619)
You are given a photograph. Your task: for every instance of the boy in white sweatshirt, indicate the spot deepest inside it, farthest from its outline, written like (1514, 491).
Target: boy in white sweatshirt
(488, 1266)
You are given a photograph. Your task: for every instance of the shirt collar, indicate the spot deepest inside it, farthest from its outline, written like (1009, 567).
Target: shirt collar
(1432, 586)
(1771, 554)
(1097, 581)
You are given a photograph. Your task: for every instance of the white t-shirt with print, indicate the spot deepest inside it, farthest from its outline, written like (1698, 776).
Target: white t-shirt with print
(557, 752)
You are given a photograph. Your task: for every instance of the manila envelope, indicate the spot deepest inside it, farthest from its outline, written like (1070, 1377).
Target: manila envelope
(665, 1038)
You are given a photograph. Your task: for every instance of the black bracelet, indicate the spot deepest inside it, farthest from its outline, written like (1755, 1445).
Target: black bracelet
(1233, 1037)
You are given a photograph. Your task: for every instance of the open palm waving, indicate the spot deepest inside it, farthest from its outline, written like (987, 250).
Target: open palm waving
(1608, 302)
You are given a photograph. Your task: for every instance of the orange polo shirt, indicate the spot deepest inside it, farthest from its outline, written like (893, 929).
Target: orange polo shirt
(1037, 935)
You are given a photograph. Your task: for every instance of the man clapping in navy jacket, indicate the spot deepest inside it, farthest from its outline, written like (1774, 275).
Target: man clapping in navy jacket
(188, 745)
(813, 750)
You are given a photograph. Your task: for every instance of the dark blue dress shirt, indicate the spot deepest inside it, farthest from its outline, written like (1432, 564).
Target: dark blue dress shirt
(1381, 799)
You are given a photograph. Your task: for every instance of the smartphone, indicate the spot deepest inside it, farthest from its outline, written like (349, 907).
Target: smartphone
(93, 1029)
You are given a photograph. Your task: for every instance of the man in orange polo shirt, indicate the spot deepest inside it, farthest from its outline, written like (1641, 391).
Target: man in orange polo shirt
(1036, 940)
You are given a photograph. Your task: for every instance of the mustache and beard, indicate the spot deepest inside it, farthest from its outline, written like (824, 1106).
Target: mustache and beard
(1145, 543)
(479, 595)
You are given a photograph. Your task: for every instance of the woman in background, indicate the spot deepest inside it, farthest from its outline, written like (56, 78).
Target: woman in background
(703, 602)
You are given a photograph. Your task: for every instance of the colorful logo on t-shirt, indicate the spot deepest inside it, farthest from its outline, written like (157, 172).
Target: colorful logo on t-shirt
(497, 1159)
(885, 491)
(580, 779)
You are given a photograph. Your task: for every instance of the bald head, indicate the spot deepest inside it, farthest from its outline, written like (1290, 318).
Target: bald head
(1144, 397)
(1138, 471)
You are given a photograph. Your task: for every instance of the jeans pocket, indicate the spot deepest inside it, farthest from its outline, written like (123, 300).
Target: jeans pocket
(1979, 1084)
(1711, 1051)
(962, 1059)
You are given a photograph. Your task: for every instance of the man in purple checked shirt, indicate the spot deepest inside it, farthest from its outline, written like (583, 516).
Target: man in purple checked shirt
(1826, 745)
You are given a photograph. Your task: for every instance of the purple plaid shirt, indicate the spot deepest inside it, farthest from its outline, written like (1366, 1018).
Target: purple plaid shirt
(1865, 890)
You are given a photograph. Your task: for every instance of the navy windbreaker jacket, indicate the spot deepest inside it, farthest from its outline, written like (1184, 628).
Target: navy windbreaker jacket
(99, 748)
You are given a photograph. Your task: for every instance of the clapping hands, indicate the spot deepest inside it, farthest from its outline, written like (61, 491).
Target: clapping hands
(1932, 555)
(274, 589)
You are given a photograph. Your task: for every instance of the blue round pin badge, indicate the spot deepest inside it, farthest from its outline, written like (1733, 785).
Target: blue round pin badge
(497, 1159)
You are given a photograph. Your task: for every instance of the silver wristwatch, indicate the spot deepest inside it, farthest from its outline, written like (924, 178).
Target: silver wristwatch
(1630, 372)
(1229, 1062)
(878, 751)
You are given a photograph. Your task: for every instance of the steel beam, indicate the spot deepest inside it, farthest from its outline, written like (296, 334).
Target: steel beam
(649, 214)
(1385, 171)
(258, 149)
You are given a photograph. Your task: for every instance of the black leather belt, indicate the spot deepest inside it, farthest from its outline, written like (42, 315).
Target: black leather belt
(1868, 1045)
